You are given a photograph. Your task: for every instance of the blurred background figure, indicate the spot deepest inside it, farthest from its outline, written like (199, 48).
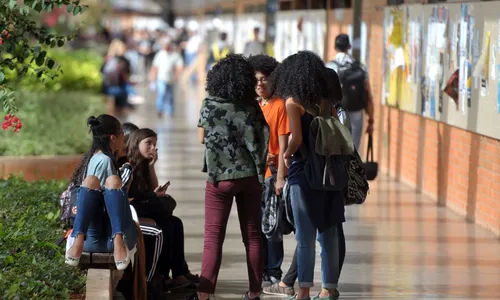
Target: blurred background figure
(255, 46)
(219, 50)
(166, 69)
(192, 48)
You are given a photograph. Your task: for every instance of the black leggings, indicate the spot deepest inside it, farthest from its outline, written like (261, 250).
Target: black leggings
(172, 256)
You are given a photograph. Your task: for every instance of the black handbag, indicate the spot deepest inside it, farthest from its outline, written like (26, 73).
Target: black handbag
(358, 187)
(371, 167)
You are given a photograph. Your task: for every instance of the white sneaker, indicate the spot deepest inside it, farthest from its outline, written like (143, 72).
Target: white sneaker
(70, 260)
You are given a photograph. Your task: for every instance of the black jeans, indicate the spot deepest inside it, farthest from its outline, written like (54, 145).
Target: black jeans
(273, 258)
(178, 263)
(291, 275)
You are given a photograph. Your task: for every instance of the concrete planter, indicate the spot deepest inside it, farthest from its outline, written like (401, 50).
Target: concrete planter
(39, 167)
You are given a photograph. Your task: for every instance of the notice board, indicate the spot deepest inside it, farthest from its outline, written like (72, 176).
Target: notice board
(427, 46)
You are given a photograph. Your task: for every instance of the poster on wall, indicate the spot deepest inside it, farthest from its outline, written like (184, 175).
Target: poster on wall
(435, 54)
(415, 36)
(498, 95)
(465, 58)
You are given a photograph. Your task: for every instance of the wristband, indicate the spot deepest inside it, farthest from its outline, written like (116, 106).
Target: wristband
(371, 121)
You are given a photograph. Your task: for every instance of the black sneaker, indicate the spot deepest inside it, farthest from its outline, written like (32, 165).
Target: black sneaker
(193, 297)
(246, 297)
(194, 278)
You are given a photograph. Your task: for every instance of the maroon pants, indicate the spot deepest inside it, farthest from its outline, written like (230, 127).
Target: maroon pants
(218, 203)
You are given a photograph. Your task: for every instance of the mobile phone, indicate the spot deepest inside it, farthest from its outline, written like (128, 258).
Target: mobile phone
(165, 186)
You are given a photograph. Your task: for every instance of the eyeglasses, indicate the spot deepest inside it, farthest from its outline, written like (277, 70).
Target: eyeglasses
(262, 80)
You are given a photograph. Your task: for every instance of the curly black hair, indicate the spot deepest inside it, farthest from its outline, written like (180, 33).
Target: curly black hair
(233, 79)
(264, 64)
(303, 77)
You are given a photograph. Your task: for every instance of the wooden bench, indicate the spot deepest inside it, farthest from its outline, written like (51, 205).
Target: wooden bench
(102, 276)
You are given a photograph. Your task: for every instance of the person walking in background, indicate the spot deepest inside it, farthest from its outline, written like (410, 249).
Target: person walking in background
(219, 50)
(356, 88)
(255, 46)
(193, 45)
(236, 135)
(167, 67)
(275, 113)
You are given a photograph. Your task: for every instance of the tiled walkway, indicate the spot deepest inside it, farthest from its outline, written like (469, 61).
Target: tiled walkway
(400, 245)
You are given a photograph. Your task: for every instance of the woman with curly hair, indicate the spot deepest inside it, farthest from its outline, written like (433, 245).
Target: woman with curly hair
(235, 134)
(303, 81)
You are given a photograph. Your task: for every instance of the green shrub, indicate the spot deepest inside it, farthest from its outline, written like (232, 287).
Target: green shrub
(29, 228)
(81, 72)
(53, 124)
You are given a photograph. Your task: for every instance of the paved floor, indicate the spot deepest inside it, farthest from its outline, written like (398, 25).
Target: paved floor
(399, 244)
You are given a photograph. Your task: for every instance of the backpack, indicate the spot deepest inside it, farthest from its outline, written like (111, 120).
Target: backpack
(327, 153)
(352, 76)
(68, 201)
(274, 216)
(357, 189)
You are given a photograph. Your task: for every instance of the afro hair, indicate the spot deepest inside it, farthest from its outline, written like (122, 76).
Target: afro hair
(303, 77)
(263, 63)
(233, 79)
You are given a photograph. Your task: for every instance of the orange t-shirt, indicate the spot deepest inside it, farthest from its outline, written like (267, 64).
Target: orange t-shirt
(277, 119)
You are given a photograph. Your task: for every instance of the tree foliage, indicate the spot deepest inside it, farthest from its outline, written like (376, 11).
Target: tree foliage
(22, 42)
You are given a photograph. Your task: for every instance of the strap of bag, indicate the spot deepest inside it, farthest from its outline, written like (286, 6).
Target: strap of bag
(369, 150)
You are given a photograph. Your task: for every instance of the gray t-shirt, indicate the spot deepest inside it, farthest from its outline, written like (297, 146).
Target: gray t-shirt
(167, 64)
(101, 166)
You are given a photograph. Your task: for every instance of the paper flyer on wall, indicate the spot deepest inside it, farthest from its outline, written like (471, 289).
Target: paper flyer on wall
(493, 63)
(483, 63)
(463, 54)
(498, 95)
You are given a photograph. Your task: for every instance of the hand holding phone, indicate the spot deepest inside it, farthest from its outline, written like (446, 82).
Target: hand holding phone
(164, 187)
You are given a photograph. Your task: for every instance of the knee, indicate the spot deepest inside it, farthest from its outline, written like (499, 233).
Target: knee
(113, 182)
(92, 182)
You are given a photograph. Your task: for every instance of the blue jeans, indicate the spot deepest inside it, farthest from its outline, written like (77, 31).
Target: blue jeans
(190, 58)
(305, 233)
(118, 90)
(356, 127)
(101, 215)
(164, 95)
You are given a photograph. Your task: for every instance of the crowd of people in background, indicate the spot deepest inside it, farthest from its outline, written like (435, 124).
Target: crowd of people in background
(259, 154)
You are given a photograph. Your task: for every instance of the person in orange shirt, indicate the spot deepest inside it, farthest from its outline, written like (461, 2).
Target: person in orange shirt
(276, 117)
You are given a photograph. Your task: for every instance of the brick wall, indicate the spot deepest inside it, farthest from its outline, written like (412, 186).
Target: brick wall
(457, 168)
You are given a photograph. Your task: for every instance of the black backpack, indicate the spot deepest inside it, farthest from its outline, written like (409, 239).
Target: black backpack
(353, 77)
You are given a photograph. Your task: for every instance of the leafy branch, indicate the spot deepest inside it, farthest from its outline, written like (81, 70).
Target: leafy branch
(22, 43)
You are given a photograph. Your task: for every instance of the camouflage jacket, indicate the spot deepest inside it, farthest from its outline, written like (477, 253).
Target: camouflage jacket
(236, 139)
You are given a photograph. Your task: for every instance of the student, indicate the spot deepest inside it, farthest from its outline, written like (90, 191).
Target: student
(167, 68)
(103, 220)
(151, 201)
(275, 113)
(153, 235)
(285, 287)
(303, 80)
(235, 134)
(358, 96)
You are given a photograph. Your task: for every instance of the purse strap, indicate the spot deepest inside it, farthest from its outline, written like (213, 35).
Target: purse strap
(369, 150)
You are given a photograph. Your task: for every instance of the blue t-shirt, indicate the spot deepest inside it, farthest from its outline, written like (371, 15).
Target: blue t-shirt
(101, 166)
